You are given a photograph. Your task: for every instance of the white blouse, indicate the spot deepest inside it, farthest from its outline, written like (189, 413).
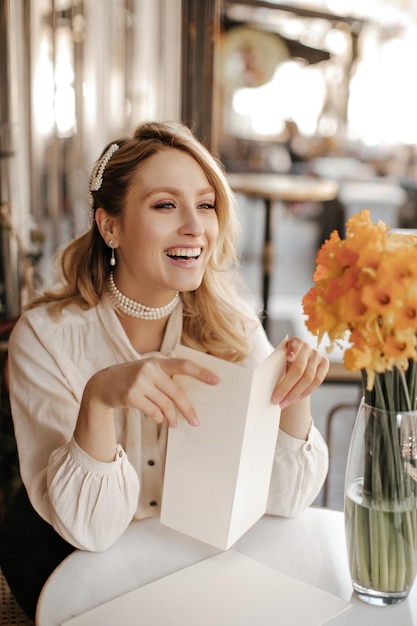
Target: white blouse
(88, 502)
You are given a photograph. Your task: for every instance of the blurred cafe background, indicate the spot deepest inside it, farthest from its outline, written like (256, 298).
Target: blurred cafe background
(310, 104)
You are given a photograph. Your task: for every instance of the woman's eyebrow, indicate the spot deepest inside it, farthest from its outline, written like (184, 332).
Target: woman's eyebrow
(177, 192)
(208, 189)
(162, 189)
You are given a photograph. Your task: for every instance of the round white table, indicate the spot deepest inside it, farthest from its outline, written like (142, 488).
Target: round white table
(310, 548)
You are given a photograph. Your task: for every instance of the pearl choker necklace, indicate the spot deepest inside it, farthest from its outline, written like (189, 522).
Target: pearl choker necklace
(135, 309)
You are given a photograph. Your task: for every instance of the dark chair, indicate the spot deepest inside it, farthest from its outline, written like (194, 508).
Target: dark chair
(9, 474)
(10, 612)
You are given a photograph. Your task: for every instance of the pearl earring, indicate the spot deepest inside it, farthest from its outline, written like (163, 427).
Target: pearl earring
(112, 258)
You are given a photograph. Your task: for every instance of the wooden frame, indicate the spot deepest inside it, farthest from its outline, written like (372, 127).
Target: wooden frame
(199, 98)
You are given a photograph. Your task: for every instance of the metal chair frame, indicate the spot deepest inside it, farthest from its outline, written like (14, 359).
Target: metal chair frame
(338, 375)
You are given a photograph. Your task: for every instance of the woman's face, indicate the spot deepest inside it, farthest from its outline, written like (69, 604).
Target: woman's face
(168, 229)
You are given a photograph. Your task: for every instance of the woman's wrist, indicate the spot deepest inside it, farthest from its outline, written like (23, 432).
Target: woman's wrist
(296, 419)
(95, 431)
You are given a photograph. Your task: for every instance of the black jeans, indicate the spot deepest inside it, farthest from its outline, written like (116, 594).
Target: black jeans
(30, 550)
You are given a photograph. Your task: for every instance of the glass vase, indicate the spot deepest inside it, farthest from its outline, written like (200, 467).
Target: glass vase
(380, 505)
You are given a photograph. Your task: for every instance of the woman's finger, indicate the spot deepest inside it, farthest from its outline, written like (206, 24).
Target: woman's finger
(168, 396)
(312, 378)
(306, 370)
(175, 399)
(293, 347)
(188, 368)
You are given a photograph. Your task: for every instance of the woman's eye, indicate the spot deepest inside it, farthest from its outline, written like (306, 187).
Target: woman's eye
(207, 205)
(167, 204)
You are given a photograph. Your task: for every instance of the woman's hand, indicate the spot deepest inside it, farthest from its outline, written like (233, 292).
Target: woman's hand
(147, 385)
(306, 370)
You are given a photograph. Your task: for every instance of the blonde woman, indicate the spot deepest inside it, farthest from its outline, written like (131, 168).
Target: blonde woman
(92, 362)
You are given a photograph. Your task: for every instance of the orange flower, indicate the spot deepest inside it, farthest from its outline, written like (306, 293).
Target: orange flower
(400, 346)
(406, 315)
(365, 291)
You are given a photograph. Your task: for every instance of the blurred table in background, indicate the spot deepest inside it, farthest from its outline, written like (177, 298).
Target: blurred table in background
(383, 197)
(361, 188)
(341, 168)
(284, 188)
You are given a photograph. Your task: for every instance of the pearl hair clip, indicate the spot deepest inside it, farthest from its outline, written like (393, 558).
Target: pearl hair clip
(96, 179)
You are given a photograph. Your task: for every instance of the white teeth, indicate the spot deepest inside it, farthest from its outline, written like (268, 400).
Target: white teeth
(184, 252)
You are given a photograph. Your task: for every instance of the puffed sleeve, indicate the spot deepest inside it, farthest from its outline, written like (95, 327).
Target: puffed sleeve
(299, 471)
(89, 503)
(76, 483)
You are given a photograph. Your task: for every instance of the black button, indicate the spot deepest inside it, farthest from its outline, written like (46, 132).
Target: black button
(151, 462)
(153, 503)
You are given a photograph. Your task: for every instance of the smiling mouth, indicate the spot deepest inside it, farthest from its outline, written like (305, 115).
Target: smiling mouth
(183, 253)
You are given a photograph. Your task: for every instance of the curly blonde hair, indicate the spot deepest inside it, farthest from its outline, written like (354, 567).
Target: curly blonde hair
(215, 318)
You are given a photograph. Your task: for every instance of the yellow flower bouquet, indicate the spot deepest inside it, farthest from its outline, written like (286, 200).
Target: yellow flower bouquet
(365, 294)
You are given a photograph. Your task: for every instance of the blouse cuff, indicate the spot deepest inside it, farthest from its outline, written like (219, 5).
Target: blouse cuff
(292, 443)
(93, 465)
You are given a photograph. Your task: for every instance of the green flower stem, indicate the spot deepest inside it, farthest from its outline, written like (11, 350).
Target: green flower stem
(389, 441)
(409, 541)
(393, 561)
(401, 564)
(361, 533)
(379, 555)
(351, 530)
(375, 550)
(383, 529)
(384, 397)
(406, 397)
(386, 540)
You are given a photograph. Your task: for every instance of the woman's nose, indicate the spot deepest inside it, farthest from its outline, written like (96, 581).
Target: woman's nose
(192, 223)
